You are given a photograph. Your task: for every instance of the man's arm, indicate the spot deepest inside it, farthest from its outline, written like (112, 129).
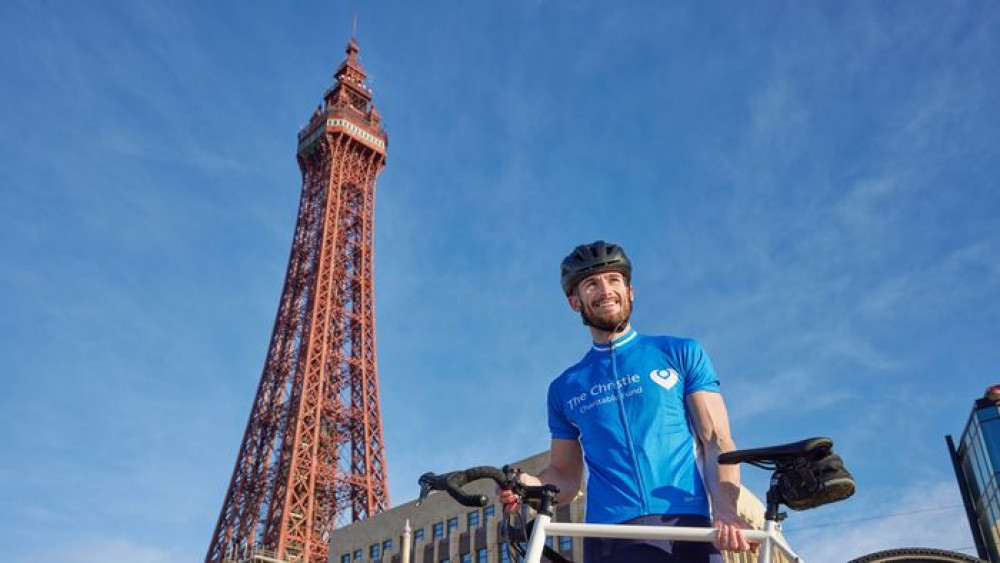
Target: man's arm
(565, 471)
(711, 424)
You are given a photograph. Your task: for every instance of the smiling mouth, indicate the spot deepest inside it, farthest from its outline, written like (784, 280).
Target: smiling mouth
(609, 304)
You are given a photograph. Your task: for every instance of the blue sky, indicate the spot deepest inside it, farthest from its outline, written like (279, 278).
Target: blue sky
(809, 189)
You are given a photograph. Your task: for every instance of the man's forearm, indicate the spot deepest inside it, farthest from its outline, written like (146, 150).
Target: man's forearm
(568, 484)
(723, 481)
(711, 424)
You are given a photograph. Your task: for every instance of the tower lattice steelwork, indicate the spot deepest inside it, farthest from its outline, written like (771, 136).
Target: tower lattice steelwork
(312, 455)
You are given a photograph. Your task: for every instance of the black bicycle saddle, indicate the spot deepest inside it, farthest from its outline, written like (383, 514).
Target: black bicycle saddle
(810, 449)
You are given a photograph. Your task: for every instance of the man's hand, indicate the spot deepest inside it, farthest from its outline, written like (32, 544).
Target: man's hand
(564, 472)
(730, 536)
(509, 499)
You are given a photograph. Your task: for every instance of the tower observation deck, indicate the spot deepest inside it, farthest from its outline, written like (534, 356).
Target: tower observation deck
(312, 456)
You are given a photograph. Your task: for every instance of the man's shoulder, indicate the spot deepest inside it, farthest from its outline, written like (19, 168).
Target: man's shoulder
(669, 343)
(680, 351)
(572, 371)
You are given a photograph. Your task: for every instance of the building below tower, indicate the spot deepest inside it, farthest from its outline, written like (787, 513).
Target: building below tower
(444, 531)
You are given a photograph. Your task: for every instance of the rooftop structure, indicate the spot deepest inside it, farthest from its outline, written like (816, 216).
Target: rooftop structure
(977, 463)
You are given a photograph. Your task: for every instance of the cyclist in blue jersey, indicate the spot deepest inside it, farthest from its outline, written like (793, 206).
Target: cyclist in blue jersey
(645, 416)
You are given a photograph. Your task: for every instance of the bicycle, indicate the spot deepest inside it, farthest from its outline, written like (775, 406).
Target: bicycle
(806, 474)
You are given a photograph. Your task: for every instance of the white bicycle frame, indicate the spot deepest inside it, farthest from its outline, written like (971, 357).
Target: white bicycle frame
(768, 539)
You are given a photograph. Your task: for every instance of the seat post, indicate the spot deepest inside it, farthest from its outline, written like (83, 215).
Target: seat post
(773, 502)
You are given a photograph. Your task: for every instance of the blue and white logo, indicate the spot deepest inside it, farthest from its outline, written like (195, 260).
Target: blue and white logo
(665, 378)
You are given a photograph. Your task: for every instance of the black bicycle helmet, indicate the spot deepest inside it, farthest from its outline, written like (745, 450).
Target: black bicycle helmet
(587, 259)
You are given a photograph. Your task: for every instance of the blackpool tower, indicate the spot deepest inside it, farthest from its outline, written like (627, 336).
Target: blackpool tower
(312, 454)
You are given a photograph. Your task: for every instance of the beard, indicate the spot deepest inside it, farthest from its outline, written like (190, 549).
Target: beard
(607, 322)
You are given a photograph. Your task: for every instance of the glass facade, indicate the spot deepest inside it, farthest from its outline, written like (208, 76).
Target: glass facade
(979, 456)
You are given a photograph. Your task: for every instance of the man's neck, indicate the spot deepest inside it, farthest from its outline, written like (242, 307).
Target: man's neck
(604, 337)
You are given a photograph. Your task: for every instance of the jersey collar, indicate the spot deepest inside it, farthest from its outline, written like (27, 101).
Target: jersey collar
(620, 342)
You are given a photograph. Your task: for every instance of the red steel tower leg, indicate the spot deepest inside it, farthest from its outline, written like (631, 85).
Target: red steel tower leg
(312, 455)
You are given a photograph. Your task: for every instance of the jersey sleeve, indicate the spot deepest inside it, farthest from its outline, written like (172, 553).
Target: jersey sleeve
(559, 425)
(699, 375)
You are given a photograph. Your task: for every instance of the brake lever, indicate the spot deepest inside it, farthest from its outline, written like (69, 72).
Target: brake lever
(425, 488)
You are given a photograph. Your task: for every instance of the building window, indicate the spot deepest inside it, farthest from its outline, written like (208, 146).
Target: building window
(548, 541)
(489, 512)
(345, 558)
(452, 525)
(357, 555)
(504, 554)
(473, 519)
(438, 530)
(481, 555)
(565, 543)
(373, 552)
(418, 534)
(387, 545)
(466, 558)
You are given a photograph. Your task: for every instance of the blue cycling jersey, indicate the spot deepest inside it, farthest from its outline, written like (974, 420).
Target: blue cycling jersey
(625, 403)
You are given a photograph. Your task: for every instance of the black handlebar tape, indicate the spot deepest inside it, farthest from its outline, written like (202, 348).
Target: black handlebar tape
(485, 472)
(453, 482)
(458, 479)
(465, 499)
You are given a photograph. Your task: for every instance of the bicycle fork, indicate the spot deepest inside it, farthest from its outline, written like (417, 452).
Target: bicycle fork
(536, 543)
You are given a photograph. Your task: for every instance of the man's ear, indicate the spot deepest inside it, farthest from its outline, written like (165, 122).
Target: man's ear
(574, 302)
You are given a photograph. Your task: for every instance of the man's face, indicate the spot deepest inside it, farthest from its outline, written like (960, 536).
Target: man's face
(604, 300)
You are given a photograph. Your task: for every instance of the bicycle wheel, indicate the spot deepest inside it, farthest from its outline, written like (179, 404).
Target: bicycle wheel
(916, 555)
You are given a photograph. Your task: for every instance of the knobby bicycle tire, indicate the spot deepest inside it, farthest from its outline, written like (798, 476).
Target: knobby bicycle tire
(916, 555)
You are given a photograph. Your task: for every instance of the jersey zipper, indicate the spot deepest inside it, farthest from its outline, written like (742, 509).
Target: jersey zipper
(628, 434)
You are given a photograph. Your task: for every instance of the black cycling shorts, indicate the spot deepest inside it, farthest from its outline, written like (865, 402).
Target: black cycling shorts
(613, 550)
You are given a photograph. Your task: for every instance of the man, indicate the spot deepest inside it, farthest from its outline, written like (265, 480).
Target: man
(645, 415)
